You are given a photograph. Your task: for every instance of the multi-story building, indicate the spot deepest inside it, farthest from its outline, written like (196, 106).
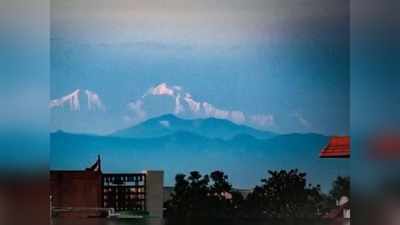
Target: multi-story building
(91, 193)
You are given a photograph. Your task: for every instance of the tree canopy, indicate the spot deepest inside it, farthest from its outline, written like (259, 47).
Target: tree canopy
(340, 187)
(282, 195)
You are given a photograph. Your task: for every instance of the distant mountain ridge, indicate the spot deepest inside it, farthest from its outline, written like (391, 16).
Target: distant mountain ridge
(245, 154)
(209, 127)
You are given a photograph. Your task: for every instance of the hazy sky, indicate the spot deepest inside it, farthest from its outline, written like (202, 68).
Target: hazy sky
(275, 65)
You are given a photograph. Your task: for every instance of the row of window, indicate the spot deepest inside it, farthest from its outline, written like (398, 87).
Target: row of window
(124, 190)
(128, 197)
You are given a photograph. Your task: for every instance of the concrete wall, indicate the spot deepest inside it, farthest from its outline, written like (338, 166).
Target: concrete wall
(155, 193)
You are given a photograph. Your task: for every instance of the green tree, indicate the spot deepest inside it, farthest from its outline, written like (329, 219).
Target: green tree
(255, 204)
(340, 187)
(220, 196)
(198, 193)
(287, 195)
(178, 206)
(210, 199)
(220, 185)
(196, 200)
(189, 199)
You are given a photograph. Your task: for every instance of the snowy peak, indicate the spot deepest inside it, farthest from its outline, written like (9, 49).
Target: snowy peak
(188, 106)
(94, 101)
(72, 100)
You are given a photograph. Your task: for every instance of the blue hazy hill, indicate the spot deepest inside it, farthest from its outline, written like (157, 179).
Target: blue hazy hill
(245, 158)
(209, 127)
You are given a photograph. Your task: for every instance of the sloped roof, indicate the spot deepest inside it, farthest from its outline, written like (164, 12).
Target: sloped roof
(338, 147)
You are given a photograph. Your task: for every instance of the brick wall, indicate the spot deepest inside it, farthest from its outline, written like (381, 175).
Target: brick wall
(76, 189)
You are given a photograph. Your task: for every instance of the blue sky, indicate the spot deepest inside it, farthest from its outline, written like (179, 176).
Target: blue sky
(278, 65)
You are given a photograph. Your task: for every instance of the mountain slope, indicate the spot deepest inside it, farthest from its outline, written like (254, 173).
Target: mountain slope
(210, 127)
(244, 158)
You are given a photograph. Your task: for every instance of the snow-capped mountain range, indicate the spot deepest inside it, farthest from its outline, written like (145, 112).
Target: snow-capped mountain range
(184, 105)
(72, 100)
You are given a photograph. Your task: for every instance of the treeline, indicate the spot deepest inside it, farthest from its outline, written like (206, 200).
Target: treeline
(283, 197)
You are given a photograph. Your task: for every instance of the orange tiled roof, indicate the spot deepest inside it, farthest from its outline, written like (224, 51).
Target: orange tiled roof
(338, 147)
